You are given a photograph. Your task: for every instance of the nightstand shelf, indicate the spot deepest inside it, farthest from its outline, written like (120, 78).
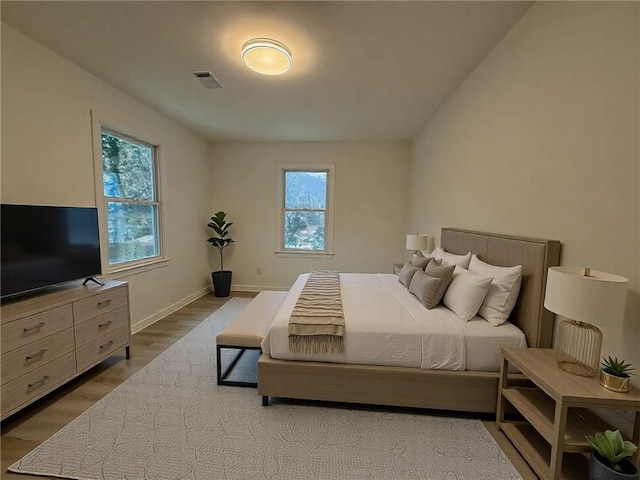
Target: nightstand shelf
(539, 409)
(552, 437)
(537, 452)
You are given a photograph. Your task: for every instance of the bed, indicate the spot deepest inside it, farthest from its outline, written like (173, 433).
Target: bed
(397, 377)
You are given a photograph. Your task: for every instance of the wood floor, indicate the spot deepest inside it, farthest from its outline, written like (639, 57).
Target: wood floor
(25, 430)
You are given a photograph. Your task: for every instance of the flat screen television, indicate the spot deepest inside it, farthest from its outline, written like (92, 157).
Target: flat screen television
(44, 246)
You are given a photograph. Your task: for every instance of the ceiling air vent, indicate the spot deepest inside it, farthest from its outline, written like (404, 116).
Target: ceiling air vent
(207, 79)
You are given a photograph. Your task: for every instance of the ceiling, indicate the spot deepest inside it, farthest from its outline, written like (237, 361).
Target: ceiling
(364, 70)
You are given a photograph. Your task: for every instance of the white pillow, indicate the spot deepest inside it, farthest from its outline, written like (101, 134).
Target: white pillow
(466, 293)
(503, 291)
(451, 258)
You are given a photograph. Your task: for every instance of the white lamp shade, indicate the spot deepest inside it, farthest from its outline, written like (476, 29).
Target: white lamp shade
(598, 298)
(417, 242)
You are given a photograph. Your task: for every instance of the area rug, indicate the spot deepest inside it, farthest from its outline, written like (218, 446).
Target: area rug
(172, 421)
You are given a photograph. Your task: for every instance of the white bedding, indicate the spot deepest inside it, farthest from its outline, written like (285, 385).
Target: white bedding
(483, 341)
(386, 325)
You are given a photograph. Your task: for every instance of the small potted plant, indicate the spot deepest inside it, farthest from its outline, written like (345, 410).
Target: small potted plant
(608, 460)
(615, 374)
(221, 278)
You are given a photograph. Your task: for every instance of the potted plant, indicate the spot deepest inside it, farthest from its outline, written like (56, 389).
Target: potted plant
(615, 374)
(608, 460)
(221, 278)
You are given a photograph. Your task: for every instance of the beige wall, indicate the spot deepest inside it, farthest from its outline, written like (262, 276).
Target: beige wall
(47, 159)
(542, 140)
(370, 207)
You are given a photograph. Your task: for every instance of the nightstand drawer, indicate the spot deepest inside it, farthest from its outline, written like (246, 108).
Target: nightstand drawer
(35, 327)
(88, 308)
(25, 359)
(95, 351)
(99, 326)
(37, 382)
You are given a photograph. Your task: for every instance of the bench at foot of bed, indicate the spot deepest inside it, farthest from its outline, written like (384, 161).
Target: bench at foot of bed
(246, 332)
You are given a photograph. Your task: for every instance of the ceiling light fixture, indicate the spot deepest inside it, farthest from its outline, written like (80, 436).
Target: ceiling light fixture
(266, 56)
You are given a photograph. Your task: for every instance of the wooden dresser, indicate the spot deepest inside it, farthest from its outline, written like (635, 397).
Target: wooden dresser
(49, 338)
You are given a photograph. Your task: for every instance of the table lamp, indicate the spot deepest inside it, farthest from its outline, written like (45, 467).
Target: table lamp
(585, 297)
(417, 242)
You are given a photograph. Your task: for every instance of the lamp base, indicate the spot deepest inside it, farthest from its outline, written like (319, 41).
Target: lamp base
(578, 348)
(576, 368)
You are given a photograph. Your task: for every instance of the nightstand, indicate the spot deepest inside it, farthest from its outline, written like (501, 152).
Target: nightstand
(552, 436)
(397, 267)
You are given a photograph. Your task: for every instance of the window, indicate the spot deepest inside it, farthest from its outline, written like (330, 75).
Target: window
(130, 186)
(306, 208)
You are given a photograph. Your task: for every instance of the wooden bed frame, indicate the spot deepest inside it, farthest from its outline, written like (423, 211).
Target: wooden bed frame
(414, 387)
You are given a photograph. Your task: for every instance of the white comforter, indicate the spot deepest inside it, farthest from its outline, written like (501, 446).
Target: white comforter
(384, 325)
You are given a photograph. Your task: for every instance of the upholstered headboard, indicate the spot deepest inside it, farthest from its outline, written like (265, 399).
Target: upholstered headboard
(534, 254)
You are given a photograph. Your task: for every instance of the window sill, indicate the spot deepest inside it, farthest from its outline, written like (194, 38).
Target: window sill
(303, 254)
(126, 271)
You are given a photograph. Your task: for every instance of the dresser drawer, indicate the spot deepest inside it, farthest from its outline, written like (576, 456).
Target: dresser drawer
(22, 360)
(37, 382)
(93, 352)
(35, 327)
(99, 304)
(99, 326)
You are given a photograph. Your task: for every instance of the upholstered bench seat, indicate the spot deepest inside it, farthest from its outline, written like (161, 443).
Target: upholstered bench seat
(247, 331)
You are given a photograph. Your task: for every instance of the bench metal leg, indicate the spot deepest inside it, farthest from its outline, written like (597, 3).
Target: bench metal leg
(265, 400)
(222, 376)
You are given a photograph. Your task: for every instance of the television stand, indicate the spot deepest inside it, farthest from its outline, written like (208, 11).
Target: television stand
(56, 335)
(92, 279)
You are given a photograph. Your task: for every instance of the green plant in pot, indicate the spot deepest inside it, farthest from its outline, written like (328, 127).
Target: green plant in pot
(615, 374)
(221, 278)
(609, 459)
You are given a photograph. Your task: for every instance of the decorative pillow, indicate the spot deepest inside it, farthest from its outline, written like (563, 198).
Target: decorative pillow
(406, 274)
(430, 285)
(420, 261)
(466, 293)
(451, 258)
(426, 288)
(503, 291)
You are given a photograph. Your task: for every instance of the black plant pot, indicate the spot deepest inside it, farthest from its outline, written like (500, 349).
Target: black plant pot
(600, 470)
(221, 282)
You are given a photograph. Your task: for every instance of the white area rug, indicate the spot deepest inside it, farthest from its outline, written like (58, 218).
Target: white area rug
(171, 421)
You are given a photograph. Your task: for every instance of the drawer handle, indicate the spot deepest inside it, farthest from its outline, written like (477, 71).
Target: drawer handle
(34, 328)
(104, 303)
(36, 355)
(106, 345)
(104, 325)
(39, 382)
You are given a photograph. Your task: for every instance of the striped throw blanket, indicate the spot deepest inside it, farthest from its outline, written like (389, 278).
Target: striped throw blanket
(317, 320)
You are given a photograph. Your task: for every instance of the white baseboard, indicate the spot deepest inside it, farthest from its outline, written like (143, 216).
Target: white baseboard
(169, 310)
(256, 288)
(194, 296)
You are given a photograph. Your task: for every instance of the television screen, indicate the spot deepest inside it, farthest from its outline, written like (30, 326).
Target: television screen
(44, 246)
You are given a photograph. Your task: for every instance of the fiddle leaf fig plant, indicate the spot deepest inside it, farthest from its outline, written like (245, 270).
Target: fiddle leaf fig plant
(220, 240)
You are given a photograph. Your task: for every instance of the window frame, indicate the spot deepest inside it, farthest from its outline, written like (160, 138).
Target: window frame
(283, 168)
(124, 269)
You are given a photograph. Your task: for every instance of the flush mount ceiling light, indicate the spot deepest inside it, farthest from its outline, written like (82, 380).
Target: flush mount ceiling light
(266, 56)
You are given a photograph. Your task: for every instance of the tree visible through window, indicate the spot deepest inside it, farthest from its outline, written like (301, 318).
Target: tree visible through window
(305, 210)
(130, 190)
